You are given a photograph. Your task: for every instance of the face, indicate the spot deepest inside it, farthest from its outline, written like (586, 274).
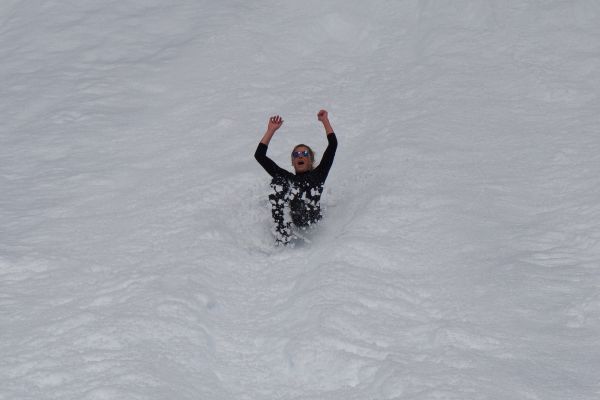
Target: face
(301, 163)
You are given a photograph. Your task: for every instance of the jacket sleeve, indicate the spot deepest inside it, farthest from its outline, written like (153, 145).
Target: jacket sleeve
(268, 164)
(327, 160)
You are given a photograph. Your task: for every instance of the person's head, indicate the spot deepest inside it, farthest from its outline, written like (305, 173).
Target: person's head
(302, 158)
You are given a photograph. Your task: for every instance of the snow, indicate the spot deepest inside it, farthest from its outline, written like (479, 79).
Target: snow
(458, 256)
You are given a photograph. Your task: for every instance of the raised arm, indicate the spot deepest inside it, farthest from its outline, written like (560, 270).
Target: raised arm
(261, 151)
(323, 116)
(274, 124)
(327, 159)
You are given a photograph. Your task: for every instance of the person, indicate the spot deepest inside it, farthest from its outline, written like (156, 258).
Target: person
(298, 192)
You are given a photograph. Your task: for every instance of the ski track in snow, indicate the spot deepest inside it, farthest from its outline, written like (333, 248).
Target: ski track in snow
(458, 257)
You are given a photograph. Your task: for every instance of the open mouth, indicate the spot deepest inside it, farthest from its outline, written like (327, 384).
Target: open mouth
(300, 162)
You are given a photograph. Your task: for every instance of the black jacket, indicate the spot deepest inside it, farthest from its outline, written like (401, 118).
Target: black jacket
(315, 177)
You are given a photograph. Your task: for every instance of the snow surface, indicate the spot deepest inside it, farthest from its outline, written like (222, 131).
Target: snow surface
(460, 250)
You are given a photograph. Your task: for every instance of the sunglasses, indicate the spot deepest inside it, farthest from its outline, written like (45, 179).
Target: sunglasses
(296, 154)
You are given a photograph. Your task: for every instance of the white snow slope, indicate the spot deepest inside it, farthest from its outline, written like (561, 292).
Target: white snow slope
(459, 254)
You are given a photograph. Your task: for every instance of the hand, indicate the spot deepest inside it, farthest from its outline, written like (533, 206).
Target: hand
(322, 116)
(275, 123)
